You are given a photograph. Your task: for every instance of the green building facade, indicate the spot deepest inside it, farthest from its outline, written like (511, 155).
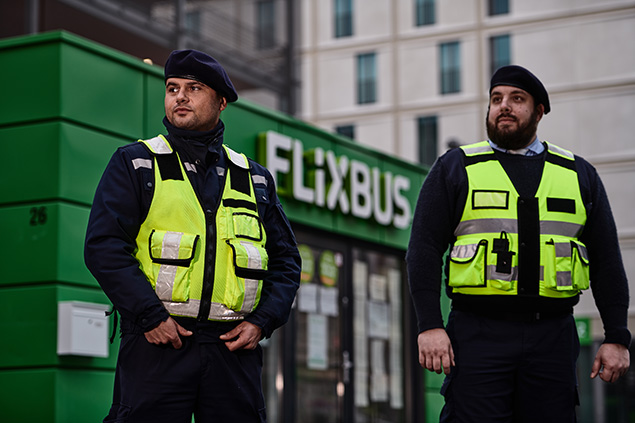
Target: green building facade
(348, 353)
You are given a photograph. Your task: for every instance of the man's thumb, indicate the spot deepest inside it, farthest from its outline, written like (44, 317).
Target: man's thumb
(183, 331)
(595, 369)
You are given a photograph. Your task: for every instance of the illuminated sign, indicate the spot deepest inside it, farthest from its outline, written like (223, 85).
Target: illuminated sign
(321, 178)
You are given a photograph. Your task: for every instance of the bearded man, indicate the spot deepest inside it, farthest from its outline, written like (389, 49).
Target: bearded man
(528, 225)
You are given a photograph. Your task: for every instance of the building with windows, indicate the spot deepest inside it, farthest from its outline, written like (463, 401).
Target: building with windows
(411, 78)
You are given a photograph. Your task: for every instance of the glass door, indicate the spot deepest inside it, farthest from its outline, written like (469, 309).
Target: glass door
(318, 317)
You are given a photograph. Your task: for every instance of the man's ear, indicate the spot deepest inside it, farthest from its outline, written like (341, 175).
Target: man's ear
(223, 103)
(541, 111)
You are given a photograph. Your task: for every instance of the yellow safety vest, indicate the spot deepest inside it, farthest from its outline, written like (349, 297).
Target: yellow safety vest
(484, 260)
(173, 239)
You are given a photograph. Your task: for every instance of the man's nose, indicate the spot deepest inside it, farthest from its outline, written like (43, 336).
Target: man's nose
(505, 104)
(180, 96)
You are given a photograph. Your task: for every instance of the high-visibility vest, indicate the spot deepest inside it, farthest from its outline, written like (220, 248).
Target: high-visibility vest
(498, 230)
(172, 244)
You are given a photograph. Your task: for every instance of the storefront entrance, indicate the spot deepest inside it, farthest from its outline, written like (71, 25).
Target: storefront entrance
(344, 356)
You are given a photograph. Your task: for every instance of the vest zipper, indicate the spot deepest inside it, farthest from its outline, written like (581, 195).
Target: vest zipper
(210, 256)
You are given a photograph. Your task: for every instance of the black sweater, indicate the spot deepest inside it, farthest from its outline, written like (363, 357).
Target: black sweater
(439, 209)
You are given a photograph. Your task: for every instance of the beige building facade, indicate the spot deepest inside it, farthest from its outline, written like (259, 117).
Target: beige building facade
(430, 64)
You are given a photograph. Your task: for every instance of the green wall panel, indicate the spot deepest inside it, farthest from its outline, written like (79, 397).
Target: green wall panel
(83, 396)
(243, 124)
(36, 327)
(101, 92)
(84, 154)
(154, 108)
(64, 76)
(27, 396)
(36, 145)
(65, 161)
(433, 381)
(33, 70)
(34, 334)
(44, 242)
(434, 404)
(54, 396)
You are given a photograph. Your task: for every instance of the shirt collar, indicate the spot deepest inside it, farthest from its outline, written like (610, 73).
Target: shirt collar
(533, 149)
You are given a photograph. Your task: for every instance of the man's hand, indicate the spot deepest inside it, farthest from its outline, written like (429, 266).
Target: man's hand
(611, 362)
(435, 351)
(168, 332)
(244, 336)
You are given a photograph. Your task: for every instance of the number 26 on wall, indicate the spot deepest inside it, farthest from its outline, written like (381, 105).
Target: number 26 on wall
(38, 216)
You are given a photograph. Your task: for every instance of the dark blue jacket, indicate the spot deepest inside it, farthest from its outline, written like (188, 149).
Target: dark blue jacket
(121, 205)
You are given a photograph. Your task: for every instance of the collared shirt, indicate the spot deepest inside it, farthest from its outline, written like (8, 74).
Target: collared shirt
(533, 149)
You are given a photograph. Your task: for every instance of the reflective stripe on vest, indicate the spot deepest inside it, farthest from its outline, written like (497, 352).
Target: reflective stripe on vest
(484, 258)
(172, 241)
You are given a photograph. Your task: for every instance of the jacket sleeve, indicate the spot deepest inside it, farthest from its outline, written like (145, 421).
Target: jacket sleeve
(436, 214)
(608, 277)
(280, 286)
(116, 215)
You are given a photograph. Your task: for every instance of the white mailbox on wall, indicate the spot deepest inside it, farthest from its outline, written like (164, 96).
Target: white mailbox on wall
(82, 329)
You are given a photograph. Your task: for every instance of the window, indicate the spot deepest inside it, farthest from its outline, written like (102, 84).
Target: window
(343, 18)
(450, 68)
(424, 12)
(366, 78)
(499, 52)
(427, 129)
(498, 7)
(266, 26)
(193, 22)
(346, 130)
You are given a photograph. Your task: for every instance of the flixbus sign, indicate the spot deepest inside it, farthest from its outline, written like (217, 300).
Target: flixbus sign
(323, 179)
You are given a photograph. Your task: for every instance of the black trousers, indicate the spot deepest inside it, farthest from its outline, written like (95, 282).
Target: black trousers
(511, 371)
(161, 384)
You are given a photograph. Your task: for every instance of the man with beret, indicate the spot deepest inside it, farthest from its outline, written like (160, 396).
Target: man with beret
(188, 240)
(527, 229)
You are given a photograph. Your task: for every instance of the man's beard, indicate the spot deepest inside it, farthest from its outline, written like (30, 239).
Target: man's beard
(513, 139)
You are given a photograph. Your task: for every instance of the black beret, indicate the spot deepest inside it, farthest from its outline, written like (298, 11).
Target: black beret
(196, 65)
(519, 77)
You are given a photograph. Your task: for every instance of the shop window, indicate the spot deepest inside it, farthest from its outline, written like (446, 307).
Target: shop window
(266, 24)
(343, 18)
(378, 311)
(500, 54)
(428, 138)
(348, 352)
(498, 7)
(424, 12)
(346, 130)
(450, 67)
(366, 78)
(319, 354)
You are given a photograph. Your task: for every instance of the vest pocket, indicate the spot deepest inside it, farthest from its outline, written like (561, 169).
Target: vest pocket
(580, 265)
(172, 254)
(250, 261)
(468, 264)
(247, 225)
(566, 265)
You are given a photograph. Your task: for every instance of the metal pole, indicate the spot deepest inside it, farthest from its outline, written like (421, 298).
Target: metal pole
(32, 16)
(179, 28)
(289, 90)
